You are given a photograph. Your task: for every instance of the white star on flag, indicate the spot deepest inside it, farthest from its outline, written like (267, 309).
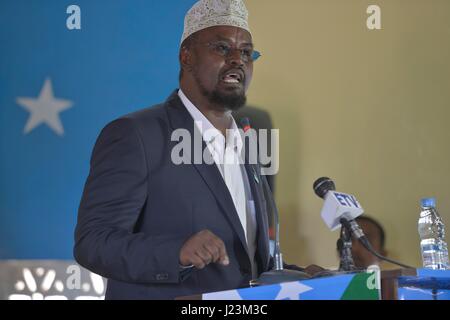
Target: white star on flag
(44, 109)
(291, 290)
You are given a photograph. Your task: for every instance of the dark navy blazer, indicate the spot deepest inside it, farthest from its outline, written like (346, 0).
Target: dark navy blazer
(138, 208)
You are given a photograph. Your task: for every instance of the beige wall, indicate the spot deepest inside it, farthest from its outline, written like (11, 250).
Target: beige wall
(368, 108)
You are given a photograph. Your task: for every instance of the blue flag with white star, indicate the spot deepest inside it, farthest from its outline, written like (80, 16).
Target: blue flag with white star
(66, 69)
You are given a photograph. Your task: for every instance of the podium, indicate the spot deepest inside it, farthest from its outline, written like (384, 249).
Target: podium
(401, 284)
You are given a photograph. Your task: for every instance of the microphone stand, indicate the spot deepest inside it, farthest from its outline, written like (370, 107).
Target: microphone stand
(278, 274)
(344, 245)
(356, 230)
(349, 229)
(346, 264)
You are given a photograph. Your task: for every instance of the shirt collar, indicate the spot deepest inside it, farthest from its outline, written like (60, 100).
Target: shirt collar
(209, 132)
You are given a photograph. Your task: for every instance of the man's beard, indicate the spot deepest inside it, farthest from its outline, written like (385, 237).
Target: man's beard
(231, 101)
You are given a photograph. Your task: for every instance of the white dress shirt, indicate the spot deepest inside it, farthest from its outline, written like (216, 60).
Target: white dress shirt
(226, 154)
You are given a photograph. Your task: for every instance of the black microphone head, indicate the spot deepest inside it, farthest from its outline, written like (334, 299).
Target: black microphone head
(245, 123)
(322, 185)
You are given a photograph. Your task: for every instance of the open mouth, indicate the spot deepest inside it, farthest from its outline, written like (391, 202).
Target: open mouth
(232, 77)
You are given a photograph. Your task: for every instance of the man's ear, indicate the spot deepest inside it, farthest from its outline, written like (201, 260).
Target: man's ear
(186, 58)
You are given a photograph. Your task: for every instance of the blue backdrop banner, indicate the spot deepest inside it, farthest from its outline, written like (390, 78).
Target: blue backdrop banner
(59, 85)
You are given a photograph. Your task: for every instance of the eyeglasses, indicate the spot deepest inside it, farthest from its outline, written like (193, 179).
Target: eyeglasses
(223, 49)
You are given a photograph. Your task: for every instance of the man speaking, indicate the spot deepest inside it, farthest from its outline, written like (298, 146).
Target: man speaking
(160, 230)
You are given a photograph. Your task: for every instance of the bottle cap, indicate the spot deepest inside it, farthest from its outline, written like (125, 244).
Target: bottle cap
(428, 202)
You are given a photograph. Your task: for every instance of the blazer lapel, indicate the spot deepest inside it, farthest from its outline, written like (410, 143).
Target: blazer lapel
(181, 118)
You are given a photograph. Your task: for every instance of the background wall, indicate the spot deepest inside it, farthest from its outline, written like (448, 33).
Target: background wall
(367, 108)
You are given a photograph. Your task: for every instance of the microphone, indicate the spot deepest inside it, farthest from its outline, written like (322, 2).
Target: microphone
(337, 205)
(245, 122)
(341, 209)
(278, 274)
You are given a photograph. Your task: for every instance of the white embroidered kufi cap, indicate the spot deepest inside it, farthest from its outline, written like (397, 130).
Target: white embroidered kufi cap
(210, 13)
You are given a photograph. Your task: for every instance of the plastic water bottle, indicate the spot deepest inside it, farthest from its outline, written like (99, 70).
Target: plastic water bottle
(432, 236)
